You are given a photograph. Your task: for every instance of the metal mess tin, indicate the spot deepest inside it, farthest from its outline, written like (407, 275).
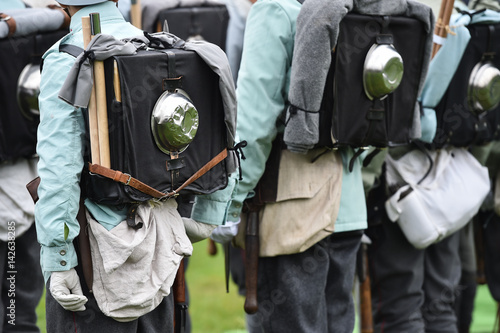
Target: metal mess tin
(483, 92)
(174, 121)
(382, 72)
(28, 89)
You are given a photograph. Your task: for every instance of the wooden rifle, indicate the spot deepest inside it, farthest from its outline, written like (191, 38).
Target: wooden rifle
(265, 192)
(179, 290)
(366, 317)
(252, 245)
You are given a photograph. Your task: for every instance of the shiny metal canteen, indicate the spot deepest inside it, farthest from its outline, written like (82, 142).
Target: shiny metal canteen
(483, 93)
(382, 72)
(174, 121)
(28, 89)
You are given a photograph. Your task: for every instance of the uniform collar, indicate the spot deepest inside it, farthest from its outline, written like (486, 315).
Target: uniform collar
(107, 12)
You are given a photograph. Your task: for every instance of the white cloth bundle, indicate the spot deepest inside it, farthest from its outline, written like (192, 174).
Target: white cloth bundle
(435, 205)
(135, 268)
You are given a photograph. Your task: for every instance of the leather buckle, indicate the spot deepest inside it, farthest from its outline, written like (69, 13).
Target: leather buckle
(128, 180)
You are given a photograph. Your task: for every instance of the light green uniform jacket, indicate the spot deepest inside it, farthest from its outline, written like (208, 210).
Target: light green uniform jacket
(262, 88)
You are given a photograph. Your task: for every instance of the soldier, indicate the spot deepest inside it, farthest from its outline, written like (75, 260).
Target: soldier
(311, 232)
(70, 306)
(22, 282)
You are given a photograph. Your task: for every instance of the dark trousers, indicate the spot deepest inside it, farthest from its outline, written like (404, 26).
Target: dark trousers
(309, 291)
(22, 283)
(92, 320)
(413, 290)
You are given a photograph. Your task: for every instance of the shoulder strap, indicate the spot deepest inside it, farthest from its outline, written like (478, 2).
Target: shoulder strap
(69, 49)
(73, 50)
(128, 180)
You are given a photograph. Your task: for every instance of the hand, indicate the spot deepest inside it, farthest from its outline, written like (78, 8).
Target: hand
(197, 231)
(225, 233)
(66, 289)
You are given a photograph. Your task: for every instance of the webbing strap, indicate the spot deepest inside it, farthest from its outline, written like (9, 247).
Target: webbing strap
(128, 180)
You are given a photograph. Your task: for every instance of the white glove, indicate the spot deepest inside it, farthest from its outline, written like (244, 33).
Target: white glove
(225, 233)
(66, 289)
(197, 231)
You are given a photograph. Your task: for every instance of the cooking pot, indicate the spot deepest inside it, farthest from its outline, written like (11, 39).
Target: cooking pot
(382, 72)
(28, 89)
(174, 121)
(484, 87)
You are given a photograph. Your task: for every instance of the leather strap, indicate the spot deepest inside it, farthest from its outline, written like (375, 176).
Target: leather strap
(128, 180)
(11, 23)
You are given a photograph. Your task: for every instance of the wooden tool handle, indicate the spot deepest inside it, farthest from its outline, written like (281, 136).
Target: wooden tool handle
(92, 109)
(136, 14)
(100, 96)
(102, 114)
(442, 23)
(251, 262)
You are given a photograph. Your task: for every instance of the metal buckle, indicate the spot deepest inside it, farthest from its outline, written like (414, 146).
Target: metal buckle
(128, 180)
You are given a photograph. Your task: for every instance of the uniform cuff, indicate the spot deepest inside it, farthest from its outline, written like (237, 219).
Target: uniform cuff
(213, 208)
(58, 258)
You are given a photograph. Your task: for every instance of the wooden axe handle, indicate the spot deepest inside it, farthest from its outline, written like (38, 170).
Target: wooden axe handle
(92, 109)
(136, 14)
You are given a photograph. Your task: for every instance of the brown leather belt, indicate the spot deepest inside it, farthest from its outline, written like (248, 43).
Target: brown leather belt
(128, 180)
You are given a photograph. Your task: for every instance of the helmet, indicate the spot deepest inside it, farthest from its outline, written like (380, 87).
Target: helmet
(79, 2)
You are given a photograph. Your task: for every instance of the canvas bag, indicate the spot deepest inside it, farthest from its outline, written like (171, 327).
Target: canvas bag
(438, 197)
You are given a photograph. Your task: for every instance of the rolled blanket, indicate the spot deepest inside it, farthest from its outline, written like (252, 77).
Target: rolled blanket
(33, 20)
(316, 36)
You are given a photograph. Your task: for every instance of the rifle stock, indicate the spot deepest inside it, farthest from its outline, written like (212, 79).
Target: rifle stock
(212, 247)
(251, 261)
(366, 296)
(179, 291)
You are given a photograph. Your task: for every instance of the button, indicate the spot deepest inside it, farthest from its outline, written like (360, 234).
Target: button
(63, 263)
(238, 205)
(62, 252)
(235, 214)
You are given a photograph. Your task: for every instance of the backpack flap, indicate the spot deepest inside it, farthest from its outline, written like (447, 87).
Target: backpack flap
(375, 108)
(469, 111)
(136, 148)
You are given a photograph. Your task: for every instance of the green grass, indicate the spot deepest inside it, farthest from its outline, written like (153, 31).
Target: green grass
(212, 310)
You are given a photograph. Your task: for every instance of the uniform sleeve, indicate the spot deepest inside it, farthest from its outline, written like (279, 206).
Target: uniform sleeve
(262, 90)
(60, 148)
(261, 94)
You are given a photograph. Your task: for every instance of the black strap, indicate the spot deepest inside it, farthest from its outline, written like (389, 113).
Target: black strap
(354, 157)
(490, 54)
(420, 145)
(369, 157)
(67, 48)
(73, 50)
(172, 82)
